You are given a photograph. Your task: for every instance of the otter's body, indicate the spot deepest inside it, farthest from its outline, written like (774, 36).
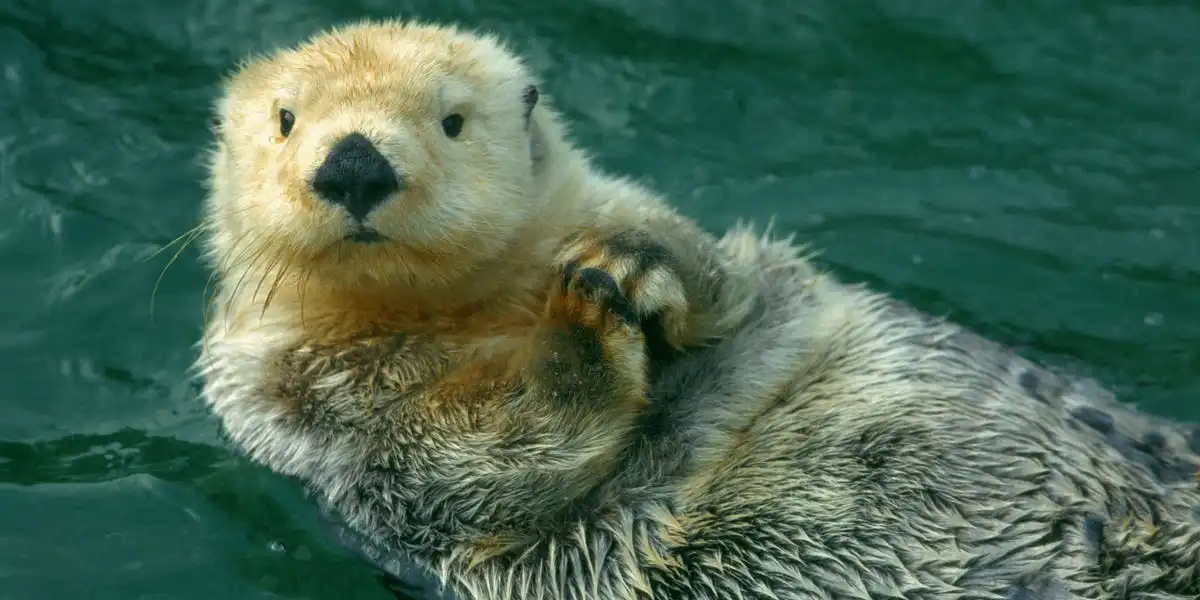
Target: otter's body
(537, 381)
(841, 445)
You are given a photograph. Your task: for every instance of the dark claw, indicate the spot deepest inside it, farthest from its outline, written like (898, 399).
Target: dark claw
(602, 286)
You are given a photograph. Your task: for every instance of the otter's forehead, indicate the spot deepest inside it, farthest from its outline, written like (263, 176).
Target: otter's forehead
(391, 53)
(406, 66)
(414, 73)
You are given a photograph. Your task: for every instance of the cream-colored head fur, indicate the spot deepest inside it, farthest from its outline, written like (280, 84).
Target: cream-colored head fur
(466, 199)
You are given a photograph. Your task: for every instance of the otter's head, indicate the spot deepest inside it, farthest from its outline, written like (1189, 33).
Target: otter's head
(376, 154)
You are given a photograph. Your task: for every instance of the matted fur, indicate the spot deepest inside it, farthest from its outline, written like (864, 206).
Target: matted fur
(827, 443)
(841, 445)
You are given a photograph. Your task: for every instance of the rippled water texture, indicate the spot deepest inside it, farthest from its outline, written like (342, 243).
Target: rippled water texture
(1029, 169)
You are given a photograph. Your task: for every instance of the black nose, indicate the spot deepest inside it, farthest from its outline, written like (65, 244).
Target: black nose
(355, 175)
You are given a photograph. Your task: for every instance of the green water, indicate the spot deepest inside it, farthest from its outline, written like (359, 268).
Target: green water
(1031, 169)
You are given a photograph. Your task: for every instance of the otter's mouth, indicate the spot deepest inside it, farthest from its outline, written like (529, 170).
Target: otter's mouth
(364, 235)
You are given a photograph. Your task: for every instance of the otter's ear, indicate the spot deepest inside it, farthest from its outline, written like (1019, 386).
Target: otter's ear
(537, 146)
(529, 99)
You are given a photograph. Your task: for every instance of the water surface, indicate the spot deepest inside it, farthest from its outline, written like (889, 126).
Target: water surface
(1031, 170)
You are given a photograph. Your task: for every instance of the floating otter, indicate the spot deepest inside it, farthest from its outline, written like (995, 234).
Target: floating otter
(534, 380)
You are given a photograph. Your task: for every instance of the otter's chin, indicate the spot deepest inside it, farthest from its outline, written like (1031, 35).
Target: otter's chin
(364, 235)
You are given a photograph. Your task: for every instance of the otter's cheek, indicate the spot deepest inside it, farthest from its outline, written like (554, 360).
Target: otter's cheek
(481, 219)
(293, 216)
(412, 217)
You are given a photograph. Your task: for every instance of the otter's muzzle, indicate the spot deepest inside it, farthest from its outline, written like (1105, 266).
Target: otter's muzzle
(356, 176)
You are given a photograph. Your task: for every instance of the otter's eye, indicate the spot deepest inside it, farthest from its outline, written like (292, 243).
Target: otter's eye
(453, 125)
(286, 121)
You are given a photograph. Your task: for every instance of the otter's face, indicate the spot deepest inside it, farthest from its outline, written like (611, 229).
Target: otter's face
(390, 142)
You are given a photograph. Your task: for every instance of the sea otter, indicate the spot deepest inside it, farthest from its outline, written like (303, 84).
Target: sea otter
(535, 380)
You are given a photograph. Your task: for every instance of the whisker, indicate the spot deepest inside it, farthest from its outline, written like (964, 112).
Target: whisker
(192, 235)
(262, 250)
(207, 309)
(278, 258)
(302, 283)
(274, 288)
(218, 269)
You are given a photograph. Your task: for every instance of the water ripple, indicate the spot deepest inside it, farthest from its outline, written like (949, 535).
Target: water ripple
(1029, 170)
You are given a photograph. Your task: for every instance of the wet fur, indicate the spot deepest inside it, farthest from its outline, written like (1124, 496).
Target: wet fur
(843, 445)
(819, 441)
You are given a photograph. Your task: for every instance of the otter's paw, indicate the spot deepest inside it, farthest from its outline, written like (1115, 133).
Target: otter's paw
(643, 271)
(588, 300)
(590, 297)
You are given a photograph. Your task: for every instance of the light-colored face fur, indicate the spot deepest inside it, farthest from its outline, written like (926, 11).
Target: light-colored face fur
(464, 198)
